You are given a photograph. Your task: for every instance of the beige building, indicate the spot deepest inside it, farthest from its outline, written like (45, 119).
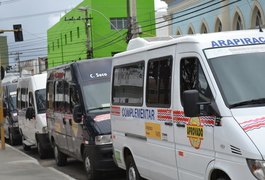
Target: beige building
(3, 51)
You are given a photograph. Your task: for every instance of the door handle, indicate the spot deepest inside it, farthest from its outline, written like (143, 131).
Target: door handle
(64, 122)
(180, 125)
(168, 123)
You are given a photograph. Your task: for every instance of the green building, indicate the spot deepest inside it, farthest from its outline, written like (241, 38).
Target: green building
(107, 31)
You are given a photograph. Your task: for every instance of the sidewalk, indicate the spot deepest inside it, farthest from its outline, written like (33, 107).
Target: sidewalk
(15, 165)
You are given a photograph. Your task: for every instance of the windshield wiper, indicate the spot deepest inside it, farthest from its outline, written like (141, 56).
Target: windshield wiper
(98, 108)
(248, 102)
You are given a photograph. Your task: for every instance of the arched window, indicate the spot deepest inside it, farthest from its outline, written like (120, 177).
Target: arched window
(204, 29)
(256, 19)
(218, 25)
(190, 31)
(237, 23)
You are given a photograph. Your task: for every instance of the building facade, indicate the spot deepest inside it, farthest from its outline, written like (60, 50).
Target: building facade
(204, 16)
(99, 28)
(3, 51)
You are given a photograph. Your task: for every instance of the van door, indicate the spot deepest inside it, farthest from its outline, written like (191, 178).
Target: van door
(59, 120)
(159, 133)
(68, 118)
(32, 122)
(193, 136)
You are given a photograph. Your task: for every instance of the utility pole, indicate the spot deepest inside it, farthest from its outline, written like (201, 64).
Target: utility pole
(1, 112)
(18, 61)
(132, 23)
(89, 49)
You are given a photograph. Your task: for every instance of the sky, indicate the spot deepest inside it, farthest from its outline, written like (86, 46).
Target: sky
(36, 16)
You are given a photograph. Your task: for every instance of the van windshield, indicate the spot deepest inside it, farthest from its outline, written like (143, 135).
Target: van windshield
(97, 96)
(41, 100)
(240, 78)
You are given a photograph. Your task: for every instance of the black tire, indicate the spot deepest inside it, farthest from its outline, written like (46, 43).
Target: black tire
(42, 153)
(60, 158)
(89, 167)
(223, 177)
(11, 138)
(26, 147)
(132, 172)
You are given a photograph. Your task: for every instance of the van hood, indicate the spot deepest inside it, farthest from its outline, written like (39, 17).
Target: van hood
(252, 121)
(101, 122)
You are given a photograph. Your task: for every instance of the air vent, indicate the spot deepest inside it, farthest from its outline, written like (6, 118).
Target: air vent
(235, 150)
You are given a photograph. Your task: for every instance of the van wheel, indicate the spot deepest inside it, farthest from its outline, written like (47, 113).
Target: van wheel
(26, 147)
(132, 172)
(60, 157)
(41, 151)
(224, 177)
(88, 165)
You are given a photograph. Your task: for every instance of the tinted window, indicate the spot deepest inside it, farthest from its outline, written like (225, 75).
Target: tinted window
(192, 77)
(158, 90)
(128, 84)
(50, 90)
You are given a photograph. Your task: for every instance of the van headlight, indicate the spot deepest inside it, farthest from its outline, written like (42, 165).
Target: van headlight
(257, 167)
(103, 139)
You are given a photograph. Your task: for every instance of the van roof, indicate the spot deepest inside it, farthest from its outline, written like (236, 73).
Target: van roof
(210, 40)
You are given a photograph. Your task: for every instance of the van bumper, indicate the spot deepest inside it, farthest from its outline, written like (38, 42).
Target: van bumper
(101, 156)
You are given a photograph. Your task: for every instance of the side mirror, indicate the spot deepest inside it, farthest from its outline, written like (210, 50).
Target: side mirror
(77, 114)
(30, 113)
(190, 103)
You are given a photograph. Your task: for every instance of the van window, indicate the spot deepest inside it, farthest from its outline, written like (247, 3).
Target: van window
(24, 98)
(74, 98)
(40, 100)
(18, 98)
(127, 87)
(192, 77)
(66, 97)
(158, 90)
(59, 96)
(50, 90)
(31, 102)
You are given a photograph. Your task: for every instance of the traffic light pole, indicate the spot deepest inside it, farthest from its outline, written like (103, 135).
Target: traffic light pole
(1, 113)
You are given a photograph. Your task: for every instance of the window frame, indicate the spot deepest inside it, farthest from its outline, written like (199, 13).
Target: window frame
(163, 58)
(143, 78)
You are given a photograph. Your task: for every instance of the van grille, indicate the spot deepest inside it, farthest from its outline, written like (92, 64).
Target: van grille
(235, 150)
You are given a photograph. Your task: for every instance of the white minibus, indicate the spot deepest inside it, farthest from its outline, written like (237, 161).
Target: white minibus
(190, 107)
(31, 107)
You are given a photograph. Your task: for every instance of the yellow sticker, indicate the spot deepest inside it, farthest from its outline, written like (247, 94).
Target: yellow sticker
(195, 132)
(57, 127)
(75, 128)
(153, 130)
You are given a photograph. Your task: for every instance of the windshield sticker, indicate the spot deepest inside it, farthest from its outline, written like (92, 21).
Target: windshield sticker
(238, 42)
(253, 124)
(98, 75)
(139, 113)
(164, 114)
(102, 117)
(195, 132)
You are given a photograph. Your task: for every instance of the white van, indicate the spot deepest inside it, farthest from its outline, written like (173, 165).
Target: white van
(9, 87)
(31, 107)
(191, 107)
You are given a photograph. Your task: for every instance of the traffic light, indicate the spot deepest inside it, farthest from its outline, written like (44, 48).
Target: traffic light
(18, 32)
(2, 72)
